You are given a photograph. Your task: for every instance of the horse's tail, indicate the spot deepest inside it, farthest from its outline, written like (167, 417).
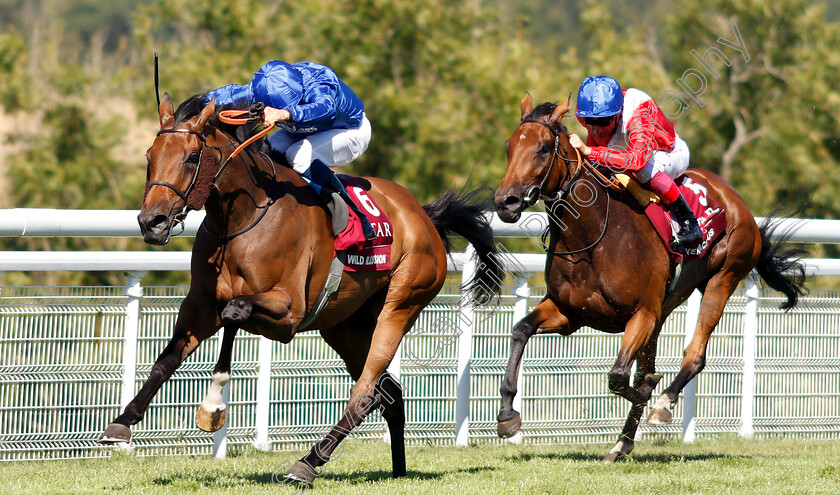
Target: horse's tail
(779, 264)
(464, 215)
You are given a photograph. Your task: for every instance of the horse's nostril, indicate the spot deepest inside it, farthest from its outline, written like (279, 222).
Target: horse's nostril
(512, 200)
(151, 220)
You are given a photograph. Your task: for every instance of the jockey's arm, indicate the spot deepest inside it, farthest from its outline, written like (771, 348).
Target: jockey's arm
(641, 144)
(320, 106)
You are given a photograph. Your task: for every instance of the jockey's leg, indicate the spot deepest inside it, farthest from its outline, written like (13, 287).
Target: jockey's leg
(313, 156)
(664, 186)
(658, 175)
(325, 182)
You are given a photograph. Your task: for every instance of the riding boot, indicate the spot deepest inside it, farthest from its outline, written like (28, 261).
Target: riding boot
(325, 182)
(689, 232)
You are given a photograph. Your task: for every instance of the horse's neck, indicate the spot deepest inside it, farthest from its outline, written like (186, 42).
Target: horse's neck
(577, 221)
(247, 185)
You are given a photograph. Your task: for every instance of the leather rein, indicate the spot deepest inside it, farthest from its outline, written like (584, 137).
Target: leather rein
(565, 184)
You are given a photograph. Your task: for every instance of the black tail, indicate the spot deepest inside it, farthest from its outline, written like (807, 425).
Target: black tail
(779, 264)
(464, 215)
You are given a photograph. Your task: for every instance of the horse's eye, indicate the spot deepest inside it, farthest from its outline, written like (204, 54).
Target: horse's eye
(193, 158)
(544, 149)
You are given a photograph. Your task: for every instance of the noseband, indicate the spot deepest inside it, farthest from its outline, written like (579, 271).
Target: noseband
(535, 192)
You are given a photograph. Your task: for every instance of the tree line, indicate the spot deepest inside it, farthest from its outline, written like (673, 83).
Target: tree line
(750, 85)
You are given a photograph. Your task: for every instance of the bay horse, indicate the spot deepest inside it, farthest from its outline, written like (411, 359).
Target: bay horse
(606, 267)
(263, 255)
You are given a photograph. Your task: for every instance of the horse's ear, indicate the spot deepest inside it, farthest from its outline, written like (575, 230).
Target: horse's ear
(166, 112)
(526, 106)
(206, 113)
(561, 111)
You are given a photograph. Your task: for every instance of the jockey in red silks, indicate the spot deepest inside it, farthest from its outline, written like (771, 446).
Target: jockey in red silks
(629, 133)
(321, 122)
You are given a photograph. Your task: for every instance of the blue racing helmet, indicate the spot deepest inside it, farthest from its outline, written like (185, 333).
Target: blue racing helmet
(599, 96)
(277, 84)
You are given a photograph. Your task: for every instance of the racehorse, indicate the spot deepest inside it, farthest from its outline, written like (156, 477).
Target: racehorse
(606, 268)
(263, 254)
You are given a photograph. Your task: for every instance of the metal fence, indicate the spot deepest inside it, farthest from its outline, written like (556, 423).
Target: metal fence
(61, 376)
(70, 357)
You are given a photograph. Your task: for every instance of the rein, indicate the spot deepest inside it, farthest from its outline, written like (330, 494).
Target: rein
(565, 184)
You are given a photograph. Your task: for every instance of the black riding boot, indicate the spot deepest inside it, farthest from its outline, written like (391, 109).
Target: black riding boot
(689, 232)
(321, 175)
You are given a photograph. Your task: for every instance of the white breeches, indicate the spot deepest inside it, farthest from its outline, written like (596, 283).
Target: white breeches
(674, 162)
(335, 147)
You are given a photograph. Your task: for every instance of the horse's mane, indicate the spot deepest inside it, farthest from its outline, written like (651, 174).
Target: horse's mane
(193, 105)
(544, 109)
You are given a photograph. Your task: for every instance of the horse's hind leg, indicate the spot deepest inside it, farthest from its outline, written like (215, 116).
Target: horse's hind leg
(365, 396)
(211, 413)
(646, 368)
(201, 318)
(717, 292)
(545, 318)
(353, 347)
(393, 410)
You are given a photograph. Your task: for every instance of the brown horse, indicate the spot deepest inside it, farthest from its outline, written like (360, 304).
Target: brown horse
(607, 269)
(263, 255)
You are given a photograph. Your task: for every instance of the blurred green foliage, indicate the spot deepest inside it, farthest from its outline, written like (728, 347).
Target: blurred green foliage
(441, 81)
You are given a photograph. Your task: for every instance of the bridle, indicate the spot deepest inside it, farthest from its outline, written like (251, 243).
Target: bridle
(205, 178)
(191, 200)
(535, 192)
(566, 183)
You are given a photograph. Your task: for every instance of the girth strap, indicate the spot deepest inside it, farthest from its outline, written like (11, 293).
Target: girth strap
(330, 288)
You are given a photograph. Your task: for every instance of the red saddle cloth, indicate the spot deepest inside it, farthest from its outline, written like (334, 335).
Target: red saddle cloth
(362, 255)
(709, 215)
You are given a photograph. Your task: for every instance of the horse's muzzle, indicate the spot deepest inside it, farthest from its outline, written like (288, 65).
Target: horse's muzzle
(509, 207)
(155, 227)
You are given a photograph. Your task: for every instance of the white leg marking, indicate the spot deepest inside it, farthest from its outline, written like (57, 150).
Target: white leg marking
(213, 400)
(663, 403)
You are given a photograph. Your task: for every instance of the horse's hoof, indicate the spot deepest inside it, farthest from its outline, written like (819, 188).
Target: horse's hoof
(509, 428)
(115, 433)
(660, 416)
(614, 457)
(301, 472)
(209, 421)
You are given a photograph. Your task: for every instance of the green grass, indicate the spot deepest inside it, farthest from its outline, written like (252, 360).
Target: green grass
(721, 466)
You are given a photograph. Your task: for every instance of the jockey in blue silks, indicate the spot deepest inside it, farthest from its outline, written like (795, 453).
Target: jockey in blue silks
(321, 122)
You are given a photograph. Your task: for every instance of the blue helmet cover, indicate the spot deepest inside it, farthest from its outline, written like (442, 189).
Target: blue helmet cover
(599, 96)
(277, 84)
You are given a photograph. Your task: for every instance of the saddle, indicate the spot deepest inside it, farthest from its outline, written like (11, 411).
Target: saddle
(708, 212)
(352, 253)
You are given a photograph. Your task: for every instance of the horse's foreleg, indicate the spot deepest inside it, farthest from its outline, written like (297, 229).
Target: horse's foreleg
(638, 334)
(545, 318)
(272, 308)
(712, 305)
(626, 440)
(183, 343)
(211, 413)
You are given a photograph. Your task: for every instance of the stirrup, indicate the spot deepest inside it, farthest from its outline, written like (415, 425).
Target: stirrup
(690, 237)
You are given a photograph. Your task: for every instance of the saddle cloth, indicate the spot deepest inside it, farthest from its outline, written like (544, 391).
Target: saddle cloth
(360, 255)
(709, 215)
